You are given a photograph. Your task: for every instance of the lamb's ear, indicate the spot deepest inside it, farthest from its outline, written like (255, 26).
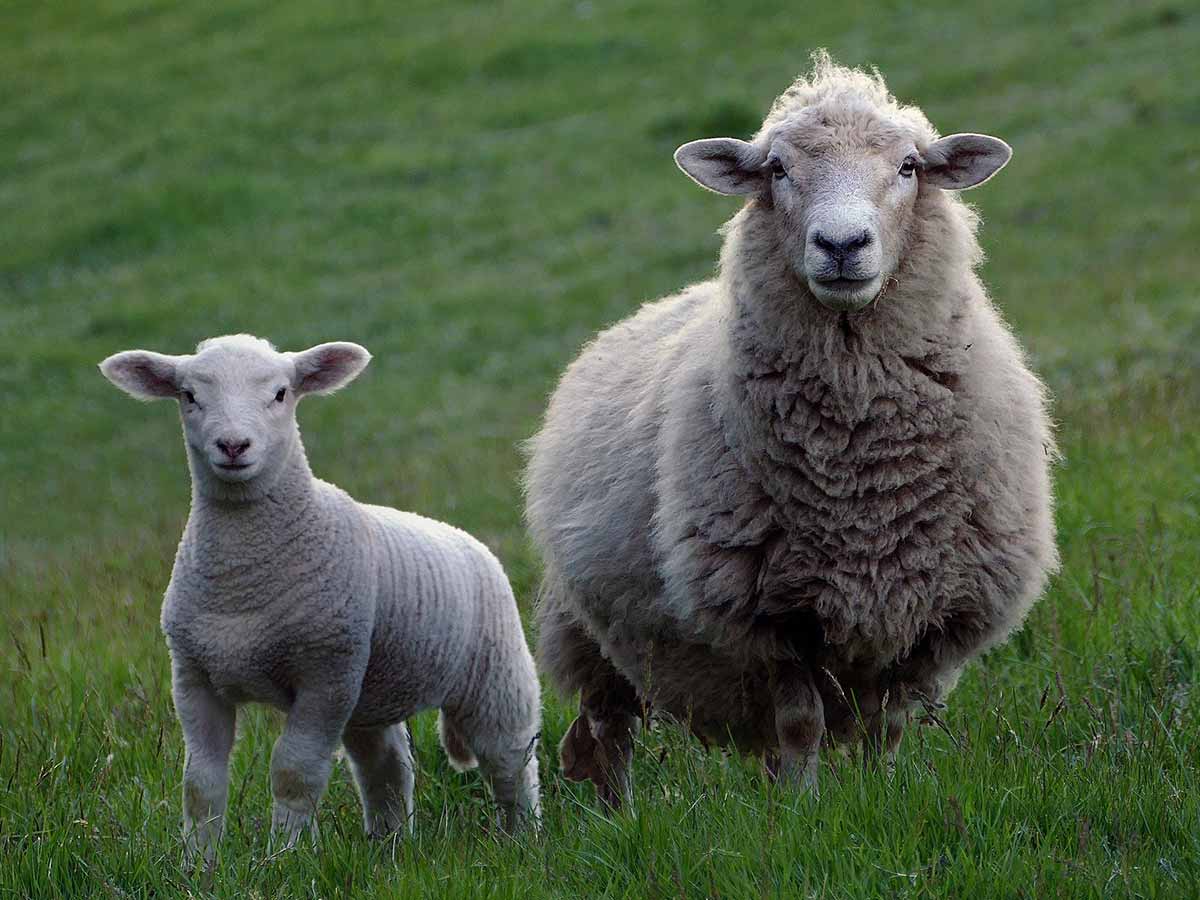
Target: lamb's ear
(725, 165)
(143, 374)
(962, 161)
(326, 367)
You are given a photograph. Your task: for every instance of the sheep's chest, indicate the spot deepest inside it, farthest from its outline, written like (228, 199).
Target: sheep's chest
(870, 502)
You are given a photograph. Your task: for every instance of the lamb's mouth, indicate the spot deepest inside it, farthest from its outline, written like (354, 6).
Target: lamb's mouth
(234, 471)
(846, 294)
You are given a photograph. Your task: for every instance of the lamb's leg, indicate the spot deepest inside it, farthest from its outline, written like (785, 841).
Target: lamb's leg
(303, 757)
(208, 723)
(382, 763)
(799, 724)
(513, 775)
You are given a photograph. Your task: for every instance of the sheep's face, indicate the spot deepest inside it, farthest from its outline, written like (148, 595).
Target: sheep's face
(237, 398)
(839, 183)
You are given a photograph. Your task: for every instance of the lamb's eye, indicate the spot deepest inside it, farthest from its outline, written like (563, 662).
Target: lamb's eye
(908, 167)
(189, 396)
(280, 394)
(777, 169)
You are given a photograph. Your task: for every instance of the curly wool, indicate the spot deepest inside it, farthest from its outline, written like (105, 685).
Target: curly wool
(737, 476)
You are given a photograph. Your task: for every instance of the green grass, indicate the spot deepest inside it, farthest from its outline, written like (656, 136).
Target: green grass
(471, 191)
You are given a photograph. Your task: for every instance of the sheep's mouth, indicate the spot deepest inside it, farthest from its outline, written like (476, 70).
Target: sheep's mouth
(233, 467)
(845, 294)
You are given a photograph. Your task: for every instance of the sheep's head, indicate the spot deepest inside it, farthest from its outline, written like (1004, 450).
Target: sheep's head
(837, 168)
(237, 397)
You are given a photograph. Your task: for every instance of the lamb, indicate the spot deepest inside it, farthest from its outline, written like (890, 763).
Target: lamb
(788, 505)
(348, 617)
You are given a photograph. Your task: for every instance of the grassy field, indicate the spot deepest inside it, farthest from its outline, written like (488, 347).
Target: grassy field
(471, 190)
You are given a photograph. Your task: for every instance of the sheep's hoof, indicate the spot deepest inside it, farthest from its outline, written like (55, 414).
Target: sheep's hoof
(577, 752)
(583, 757)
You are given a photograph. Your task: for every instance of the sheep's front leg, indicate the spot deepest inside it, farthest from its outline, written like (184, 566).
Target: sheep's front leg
(799, 725)
(303, 758)
(208, 723)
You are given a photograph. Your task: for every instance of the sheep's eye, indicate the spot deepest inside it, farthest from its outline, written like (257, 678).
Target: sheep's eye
(777, 169)
(280, 394)
(908, 167)
(189, 396)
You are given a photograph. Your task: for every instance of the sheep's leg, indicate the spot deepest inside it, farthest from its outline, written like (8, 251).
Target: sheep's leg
(599, 744)
(208, 724)
(303, 758)
(382, 763)
(598, 747)
(799, 725)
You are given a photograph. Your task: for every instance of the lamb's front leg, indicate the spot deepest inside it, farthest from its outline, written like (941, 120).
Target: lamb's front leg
(799, 725)
(303, 757)
(208, 723)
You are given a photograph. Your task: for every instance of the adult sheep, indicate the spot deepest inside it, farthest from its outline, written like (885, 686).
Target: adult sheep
(790, 503)
(348, 617)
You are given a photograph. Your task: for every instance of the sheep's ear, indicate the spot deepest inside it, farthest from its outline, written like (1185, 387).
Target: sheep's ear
(326, 367)
(725, 165)
(143, 374)
(962, 161)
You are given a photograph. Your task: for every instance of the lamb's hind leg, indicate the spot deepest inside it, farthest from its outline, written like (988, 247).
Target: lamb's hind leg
(799, 725)
(382, 762)
(598, 747)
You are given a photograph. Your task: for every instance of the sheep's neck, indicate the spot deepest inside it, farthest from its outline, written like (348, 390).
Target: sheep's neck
(851, 404)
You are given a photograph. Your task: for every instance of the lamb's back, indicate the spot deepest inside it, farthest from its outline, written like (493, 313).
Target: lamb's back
(442, 594)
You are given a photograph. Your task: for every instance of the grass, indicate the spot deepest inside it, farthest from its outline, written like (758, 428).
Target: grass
(471, 190)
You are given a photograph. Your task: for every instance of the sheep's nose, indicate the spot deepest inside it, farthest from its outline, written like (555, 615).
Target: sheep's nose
(841, 248)
(233, 448)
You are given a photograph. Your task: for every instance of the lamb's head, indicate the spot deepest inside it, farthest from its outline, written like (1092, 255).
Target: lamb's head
(837, 170)
(237, 398)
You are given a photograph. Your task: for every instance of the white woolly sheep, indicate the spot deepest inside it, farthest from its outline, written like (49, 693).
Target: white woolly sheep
(788, 504)
(349, 617)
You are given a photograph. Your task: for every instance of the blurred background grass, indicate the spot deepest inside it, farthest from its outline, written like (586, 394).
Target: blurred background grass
(471, 190)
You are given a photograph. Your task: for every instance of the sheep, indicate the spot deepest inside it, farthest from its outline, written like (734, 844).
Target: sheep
(348, 617)
(788, 505)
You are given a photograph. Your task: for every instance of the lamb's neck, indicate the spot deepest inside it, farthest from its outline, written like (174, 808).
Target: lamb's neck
(226, 536)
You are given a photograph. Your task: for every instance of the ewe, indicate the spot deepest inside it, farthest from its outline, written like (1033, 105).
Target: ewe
(790, 503)
(349, 617)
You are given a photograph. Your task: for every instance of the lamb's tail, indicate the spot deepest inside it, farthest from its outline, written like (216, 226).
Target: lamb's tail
(455, 745)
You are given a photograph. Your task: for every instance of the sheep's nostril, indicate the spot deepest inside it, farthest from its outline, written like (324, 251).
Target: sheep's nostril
(233, 449)
(841, 248)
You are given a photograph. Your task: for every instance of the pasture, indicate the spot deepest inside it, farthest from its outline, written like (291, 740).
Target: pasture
(471, 190)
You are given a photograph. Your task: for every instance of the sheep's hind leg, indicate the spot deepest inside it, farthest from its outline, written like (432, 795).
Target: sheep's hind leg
(382, 762)
(799, 725)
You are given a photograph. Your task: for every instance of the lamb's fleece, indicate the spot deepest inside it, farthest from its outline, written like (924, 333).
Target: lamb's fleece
(757, 513)
(349, 617)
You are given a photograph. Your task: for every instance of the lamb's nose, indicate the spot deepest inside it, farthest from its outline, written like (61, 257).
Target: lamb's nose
(233, 448)
(841, 248)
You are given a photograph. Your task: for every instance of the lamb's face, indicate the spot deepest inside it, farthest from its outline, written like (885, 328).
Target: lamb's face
(238, 407)
(839, 181)
(237, 397)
